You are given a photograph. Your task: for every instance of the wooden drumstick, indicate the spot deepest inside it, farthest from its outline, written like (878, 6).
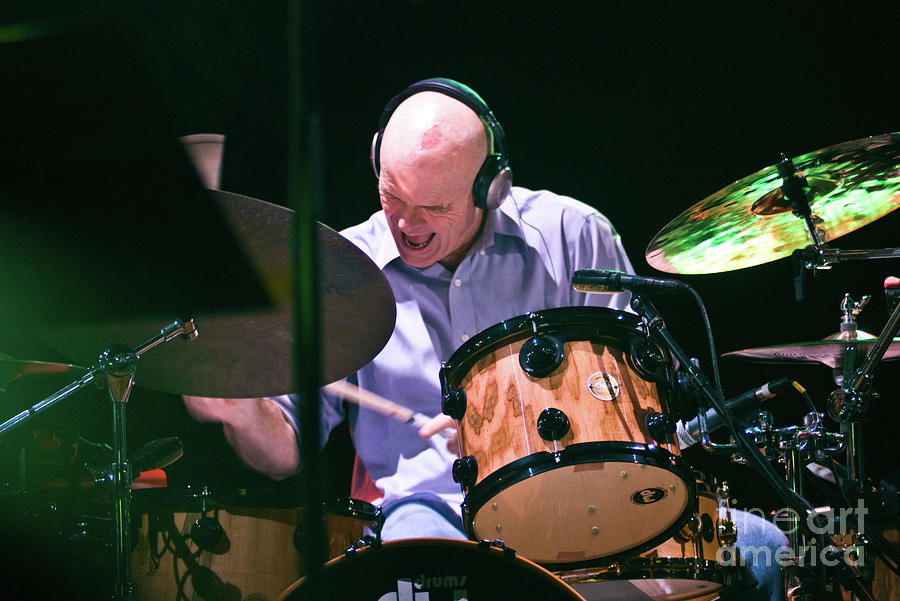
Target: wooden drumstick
(380, 404)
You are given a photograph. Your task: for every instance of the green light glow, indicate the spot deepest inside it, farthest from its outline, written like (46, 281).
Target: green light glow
(721, 233)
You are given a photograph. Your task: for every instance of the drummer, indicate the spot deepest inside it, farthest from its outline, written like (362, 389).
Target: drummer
(460, 258)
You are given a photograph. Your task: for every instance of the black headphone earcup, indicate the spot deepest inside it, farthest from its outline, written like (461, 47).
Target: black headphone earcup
(492, 183)
(499, 188)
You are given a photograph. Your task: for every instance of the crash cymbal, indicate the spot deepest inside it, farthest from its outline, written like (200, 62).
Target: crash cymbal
(241, 354)
(829, 351)
(750, 222)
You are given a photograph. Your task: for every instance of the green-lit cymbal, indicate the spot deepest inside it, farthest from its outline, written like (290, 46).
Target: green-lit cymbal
(750, 222)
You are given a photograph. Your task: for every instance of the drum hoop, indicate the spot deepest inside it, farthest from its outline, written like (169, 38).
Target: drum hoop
(397, 546)
(577, 454)
(354, 508)
(687, 568)
(549, 321)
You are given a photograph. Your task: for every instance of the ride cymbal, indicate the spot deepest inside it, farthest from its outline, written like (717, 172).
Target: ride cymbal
(750, 222)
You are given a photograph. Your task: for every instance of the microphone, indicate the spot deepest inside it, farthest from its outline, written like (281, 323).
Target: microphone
(604, 281)
(742, 406)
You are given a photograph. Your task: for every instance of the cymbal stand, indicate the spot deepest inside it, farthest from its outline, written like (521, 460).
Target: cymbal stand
(849, 404)
(745, 446)
(117, 365)
(793, 188)
(816, 256)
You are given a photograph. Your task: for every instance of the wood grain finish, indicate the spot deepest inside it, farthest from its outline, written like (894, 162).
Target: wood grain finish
(257, 555)
(503, 403)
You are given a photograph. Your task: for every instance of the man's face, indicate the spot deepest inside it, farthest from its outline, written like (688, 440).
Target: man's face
(430, 213)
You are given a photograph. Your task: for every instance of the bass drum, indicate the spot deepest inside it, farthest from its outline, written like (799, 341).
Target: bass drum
(433, 569)
(557, 458)
(684, 567)
(222, 545)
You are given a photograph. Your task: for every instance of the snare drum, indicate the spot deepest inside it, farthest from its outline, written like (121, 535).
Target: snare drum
(433, 569)
(202, 544)
(556, 456)
(684, 567)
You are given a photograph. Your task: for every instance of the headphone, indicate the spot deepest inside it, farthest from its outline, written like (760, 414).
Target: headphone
(494, 179)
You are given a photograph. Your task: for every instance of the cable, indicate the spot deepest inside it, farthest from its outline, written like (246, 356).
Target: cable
(714, 361)
(806, 397)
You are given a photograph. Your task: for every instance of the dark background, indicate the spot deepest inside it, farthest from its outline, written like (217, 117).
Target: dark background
(639, 110)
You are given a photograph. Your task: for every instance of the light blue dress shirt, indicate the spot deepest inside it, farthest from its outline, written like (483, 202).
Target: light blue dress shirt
(523, 261)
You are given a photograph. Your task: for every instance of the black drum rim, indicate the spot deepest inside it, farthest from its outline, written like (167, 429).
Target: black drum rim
(663, 568)
(399, 549)
(578, 454)
(595, 324)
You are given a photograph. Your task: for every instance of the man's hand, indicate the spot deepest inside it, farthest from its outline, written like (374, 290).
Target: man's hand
(257, 430)
(439, 423)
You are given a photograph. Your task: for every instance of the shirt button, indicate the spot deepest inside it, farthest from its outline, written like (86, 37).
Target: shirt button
(482, 252)
(457, 282)
(464, 337)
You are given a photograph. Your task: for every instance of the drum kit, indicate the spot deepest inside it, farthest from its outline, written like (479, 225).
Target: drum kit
(568, 418)
(568, 412)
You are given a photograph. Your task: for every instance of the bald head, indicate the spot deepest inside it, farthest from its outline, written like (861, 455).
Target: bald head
(431, 151)
(433, 132)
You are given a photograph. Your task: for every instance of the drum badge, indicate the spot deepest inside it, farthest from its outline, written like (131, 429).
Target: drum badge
(648, 496)
(603, 386)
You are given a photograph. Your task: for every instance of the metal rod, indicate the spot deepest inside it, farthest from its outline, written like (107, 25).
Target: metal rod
(793, 475)
(119, 363)
(836, 255)
(121, 496)
(49, 401)
(863, 374)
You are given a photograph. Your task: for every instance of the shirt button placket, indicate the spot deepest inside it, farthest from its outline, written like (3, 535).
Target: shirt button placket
(458, 318)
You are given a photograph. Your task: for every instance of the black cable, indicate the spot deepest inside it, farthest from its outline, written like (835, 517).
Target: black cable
(713, 356)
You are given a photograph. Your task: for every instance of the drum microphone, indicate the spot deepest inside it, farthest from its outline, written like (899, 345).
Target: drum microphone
(742, 406)
(604, 281)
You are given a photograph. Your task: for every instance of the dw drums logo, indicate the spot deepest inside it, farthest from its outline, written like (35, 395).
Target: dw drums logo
(451, 588)
(648, 496)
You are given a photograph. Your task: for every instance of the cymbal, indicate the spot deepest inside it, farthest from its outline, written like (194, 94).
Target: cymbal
(750, 222)
(14, 369)
(829, 351)
(30, 381)
(248, 353)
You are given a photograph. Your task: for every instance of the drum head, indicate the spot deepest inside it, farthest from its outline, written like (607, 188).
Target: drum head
(434, 569)
(591, 501)
(648, 590)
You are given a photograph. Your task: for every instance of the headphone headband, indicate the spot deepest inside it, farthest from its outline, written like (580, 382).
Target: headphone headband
(494, 178)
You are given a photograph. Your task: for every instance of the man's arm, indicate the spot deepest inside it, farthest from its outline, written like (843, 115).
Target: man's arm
(258, 430)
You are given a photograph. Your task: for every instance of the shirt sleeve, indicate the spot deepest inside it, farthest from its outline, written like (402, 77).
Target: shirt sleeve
(331, 413)
(599, 246)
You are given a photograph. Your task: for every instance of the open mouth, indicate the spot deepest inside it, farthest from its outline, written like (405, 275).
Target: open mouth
(417, 245)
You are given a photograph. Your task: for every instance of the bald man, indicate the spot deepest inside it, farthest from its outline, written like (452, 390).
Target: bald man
(462, 250)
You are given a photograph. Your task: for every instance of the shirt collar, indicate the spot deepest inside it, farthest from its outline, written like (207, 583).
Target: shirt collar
(503, 221)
